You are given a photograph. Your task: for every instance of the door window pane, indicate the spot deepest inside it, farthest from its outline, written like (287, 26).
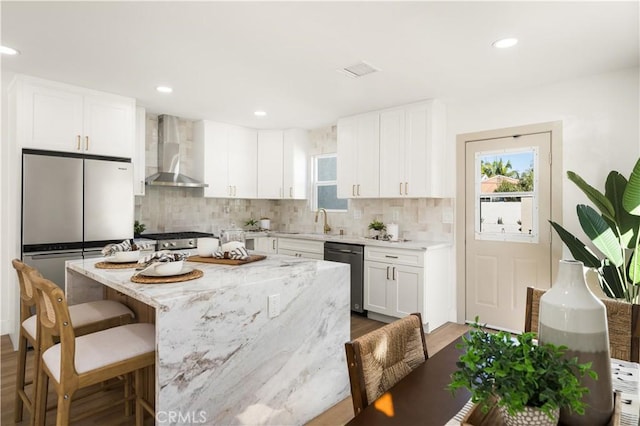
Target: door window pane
(328, 198)
(325, 185)
(506, 197)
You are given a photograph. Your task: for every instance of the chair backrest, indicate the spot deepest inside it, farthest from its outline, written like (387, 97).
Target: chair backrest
(27, 292)
(380, 358)
(55, 320)
(622, 319)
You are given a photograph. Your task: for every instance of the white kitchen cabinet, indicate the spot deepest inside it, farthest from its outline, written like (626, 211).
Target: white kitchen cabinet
(359, 156)
(282, 164)
(398, 282)
(228, 159)
(266, 244)
(138, 158)
(301, 248)
(60, 117)
(411, 149)
(270, 164)
(295, 153)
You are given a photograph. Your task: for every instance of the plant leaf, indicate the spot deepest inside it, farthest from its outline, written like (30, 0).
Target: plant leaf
(600, 233)
(627, 223)
(596, 197)
(578, 249)
(631, 198)
(610, 282)
(634, 268)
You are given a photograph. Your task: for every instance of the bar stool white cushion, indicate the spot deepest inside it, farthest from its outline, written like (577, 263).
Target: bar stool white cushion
(85, 313)
(105, 347)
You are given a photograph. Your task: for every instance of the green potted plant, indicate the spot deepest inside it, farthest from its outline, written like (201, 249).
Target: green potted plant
(519, 375)
(614, 229)
(251, 224)
(138, 228)
(377, 227)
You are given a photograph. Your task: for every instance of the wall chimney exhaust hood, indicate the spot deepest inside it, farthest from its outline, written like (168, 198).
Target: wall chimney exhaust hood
(169, 157)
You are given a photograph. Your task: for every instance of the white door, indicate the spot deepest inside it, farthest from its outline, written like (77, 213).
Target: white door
(368, 156)
(377, 277)
(409, 284)
(347, 157)
(243, 162)
(108, 126)
(392, 146)
(507, 233)
(270, 157)
(294, 173)
(216, 147)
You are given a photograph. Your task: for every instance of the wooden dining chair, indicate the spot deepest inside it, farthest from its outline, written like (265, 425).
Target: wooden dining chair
(78, 362)
(380, 358)
(86, 318)
(622, 319)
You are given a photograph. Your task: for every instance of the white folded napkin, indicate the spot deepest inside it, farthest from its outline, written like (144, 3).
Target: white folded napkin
(239, 253)
(110, 249)
(161, 257)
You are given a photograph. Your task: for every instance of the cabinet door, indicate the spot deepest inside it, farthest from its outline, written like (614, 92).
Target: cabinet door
(266, 244)
(392, 153)
(270, 164)
(215, 138)
(347, 157)
(368, 156)
(408, 286)
(108, 126)
(377, 297)
(418, 150)
(243, 162)
(52, 119)
(138, 158)
(296, 145)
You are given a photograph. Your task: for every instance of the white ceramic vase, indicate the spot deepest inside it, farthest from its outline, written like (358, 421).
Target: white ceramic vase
(571, 315)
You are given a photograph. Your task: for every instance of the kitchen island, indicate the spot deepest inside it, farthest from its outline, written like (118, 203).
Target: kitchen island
(224, 356)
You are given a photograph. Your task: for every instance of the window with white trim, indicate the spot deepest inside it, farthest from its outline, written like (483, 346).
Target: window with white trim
(325, 184)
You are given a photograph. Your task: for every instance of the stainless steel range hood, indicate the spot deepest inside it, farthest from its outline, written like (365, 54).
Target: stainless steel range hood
(169, 156)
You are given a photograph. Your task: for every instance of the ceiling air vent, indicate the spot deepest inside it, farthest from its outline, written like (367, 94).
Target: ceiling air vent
(358, 70)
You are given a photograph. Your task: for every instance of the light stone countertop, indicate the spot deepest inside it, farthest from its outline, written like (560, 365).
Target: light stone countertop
(351, 239)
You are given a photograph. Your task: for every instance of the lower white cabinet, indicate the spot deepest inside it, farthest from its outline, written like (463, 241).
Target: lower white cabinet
(266, 244)
(301, 248)
(398, 282)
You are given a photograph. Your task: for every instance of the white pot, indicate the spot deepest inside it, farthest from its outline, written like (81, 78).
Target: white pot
(265, 224)
(531, 416)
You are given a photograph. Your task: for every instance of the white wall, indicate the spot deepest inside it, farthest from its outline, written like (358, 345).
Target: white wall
(600, 129)
(600, 124)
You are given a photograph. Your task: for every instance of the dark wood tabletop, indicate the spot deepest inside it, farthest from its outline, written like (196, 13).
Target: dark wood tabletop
(421, 398)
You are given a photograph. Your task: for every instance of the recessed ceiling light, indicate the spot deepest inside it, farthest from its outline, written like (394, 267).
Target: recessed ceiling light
(8, 50)
(504, 43)
(260, 113)
(164, 89)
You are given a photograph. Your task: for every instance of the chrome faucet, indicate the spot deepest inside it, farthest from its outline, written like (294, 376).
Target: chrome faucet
(327, 228)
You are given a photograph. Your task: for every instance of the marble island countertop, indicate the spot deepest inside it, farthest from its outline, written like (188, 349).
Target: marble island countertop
(216, 277)
(254, 344)
(352, 239)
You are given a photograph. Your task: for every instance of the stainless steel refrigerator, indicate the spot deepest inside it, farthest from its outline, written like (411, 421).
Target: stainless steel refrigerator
(72, 206)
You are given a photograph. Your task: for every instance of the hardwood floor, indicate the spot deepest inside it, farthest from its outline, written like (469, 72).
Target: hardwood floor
(339, 414)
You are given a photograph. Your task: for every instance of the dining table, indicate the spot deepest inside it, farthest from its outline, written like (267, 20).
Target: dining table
(422, 397)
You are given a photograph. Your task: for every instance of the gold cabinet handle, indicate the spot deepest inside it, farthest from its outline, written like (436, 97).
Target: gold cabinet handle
(353, 190)
(406, 188)
(78, 143)
(358, 190)
(400, 188)
(273, 244)
(86, 143)
(393, 277)
(291, 192)
(387, 272)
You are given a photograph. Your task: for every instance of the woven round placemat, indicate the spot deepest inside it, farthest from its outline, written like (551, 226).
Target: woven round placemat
(109, 265)
(141, 279)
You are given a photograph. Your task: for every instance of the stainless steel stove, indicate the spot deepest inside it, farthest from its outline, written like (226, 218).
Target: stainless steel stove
(176, 240)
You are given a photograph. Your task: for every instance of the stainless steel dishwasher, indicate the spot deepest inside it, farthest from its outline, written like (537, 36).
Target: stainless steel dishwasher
(352, 254)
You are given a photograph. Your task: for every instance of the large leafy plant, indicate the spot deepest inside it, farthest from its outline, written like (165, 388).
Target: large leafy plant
(517, 373)
(614, 229)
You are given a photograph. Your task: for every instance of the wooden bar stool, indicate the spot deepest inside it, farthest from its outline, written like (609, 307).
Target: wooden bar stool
(86, 318)
(78, 362)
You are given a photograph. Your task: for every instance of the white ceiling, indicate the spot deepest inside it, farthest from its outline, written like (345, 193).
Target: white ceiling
(228, 59)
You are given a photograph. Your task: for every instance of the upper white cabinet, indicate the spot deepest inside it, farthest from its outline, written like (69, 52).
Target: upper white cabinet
(282, 164)
(359, 156)
(270, 163)
(229, 159)
(393, 153)
(411, 150)
(296, 148)
(59, 117)
(138, 158)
